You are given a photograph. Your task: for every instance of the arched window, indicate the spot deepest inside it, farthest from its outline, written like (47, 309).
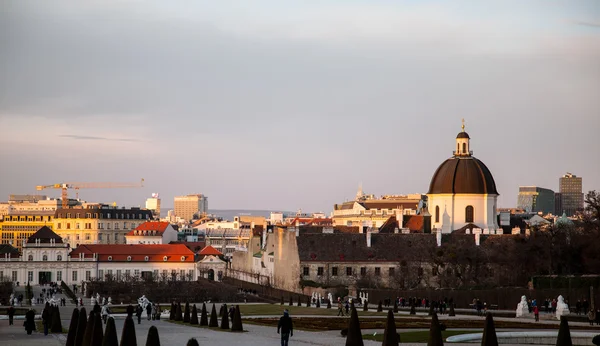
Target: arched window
(457, 148)
(464, 148)
(45, 258)
(59, 257)
(469, 213)
(437, 213)
(30, 258)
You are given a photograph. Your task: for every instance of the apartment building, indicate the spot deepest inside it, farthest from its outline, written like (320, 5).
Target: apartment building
(17, 227)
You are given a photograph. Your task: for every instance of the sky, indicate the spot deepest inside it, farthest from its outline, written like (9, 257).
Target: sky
(288, 105)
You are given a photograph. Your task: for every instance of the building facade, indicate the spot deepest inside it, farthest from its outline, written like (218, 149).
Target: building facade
(17, 227)
(97, 224)
(152, 232)
(534, 199)
(463, 192)
(569, 199)
(153, 204)
(188, 206)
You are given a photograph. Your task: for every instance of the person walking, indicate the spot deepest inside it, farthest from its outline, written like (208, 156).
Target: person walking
(536, 313)
(591, 316)
(104, 313)
(46, 318)
(286, 327)
(29, 323)
(11, 314)
(340, 308)
(149, 310)
(138, 313)
(153, 312)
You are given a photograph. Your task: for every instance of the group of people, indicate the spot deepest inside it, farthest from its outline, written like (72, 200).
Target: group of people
(152, 311)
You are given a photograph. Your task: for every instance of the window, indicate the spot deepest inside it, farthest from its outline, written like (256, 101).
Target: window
(74, 276)
(320, 271)
(391, 271)
(363, 271)
(306, 271)
(30, 258)
(119, 273)
(349, 271)
(14, 275)
(109, 272)
(68, 225)
(182, 274)
(100, 225)
(59, 257)
(44, 257)
(165, 258)
(30, 276)
(116, 225)
(146, 258)
(437, 213)
(59, 225)
(334, 271)
(464, 148)
(155, 274)
(87, 236)
(77, 236)
(136, 272)
(100, 236)
(59, 275)
(101, 274)
(377, 271)
(109, 258)
(88, 275)
(127, 273)
(469, 213)
(108, 225)
(129, 258)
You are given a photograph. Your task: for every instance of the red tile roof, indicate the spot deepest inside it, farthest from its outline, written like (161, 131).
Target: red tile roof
(210, 251)
(149, 226)
(137, 252)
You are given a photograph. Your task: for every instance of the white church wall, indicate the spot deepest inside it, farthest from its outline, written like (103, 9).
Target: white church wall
(455, 205)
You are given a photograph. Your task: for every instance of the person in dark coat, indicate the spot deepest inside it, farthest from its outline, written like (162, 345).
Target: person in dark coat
(138, 313)
(11, 314)
(29, 323)
(286, 327)
(149, 310)
(46, 315)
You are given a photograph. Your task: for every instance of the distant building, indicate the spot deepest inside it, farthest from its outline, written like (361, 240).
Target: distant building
(26, 198)
(569, 199)
(188, 206)
(153, 204)
(534, 199)
(152, 232)
(17, 227)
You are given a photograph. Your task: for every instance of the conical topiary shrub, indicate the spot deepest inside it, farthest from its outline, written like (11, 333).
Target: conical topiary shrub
(564, 334)
(89, 330)
(73, 328)
(214, 322)
(390, 336)
(192, 342)
(186, 314)
(236, 324)
(221, 311)
(178, 316)
(172, 312)
(366, 306)
(430, 310)
(413, 310)
(128, 337)
(97, 332)
(194, 316)
(489, 332)
(110, 334)
(282, 302)
(354, 337)
(395, 306)
(291, 301)
(81, 327)
(308, 302)
(97, 308)
(56, 324)
(451, 312)
(225, 318)
(299, 301)
(380, 307)
(203, 316)
(152, 339)
(435, 333)
(130, 310)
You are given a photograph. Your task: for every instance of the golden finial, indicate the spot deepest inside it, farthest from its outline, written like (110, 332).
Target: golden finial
(463, 125)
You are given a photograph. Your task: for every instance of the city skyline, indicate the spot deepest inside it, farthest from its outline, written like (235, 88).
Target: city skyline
(291, 106)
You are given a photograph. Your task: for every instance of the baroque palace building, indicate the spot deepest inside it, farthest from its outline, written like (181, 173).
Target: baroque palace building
(97, 224)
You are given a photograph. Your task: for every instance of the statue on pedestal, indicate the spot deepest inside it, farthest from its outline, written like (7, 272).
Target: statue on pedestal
(143, 302)
(562, 309)
(523, 308)
(330, 297)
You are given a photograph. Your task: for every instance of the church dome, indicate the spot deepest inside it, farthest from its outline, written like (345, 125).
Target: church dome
(463, 175)
(463, 134)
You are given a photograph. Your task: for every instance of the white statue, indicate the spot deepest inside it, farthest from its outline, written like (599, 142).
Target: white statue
(330, 297)
(523, 308)
(103, 300)
(562, 309)
(53, 301)
(109, 300)
(143, 301)
(12, 299)
(98, 298)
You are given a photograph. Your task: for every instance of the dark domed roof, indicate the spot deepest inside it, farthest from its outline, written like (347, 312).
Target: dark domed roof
(463, 134)
(463, 175)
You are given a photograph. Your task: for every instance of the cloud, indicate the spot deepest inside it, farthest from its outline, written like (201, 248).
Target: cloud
(584, 23)
(100, 138)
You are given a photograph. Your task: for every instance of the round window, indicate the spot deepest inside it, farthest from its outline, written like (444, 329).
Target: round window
(165, 258)
(146, 258)
(129, 258)
(110, 258)
(182, 258)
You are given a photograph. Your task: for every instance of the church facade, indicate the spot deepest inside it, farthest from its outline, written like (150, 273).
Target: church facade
(462, 193)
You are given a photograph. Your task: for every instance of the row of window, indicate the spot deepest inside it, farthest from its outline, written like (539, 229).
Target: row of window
(27, 218)
(45, 257)
(88, 225)
(469, 213)
(165, 274)
(121, 216)
(349, 271)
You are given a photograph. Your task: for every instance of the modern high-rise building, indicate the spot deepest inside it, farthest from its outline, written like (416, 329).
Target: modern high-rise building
(569, 199)
(187, 206)
(534, 199)
(153, 204)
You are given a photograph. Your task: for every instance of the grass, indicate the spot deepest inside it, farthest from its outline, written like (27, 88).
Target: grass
(40, 328)
(217, 329)
(277, 310)
(420, 336)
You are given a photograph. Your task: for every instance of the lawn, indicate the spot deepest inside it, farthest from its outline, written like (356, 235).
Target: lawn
(218, 329)
(277, 309)
(420, 336)
(40, 328)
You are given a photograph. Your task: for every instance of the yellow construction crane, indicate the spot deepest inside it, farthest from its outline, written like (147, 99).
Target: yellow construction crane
(76, 186)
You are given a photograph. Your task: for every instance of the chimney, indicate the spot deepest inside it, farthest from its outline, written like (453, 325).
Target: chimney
(297, 223)
(368, 238)
(477, 238)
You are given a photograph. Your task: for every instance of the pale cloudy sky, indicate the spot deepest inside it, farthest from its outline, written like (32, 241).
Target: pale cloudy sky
(290, 104)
